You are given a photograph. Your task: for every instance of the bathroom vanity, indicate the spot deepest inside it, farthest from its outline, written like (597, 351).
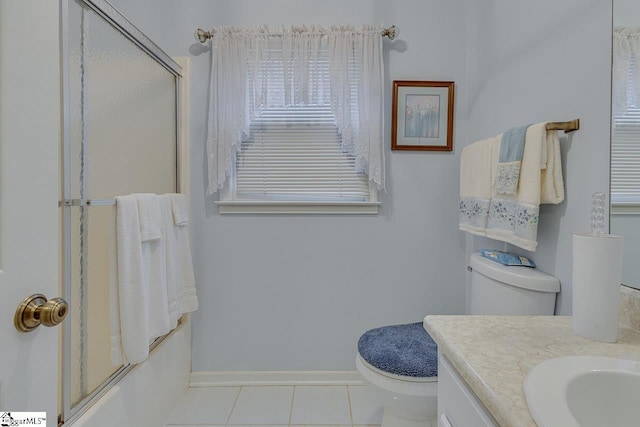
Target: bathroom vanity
(484, 361)
(457, 404)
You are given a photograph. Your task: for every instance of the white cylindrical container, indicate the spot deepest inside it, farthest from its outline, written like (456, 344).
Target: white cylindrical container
(597, 271)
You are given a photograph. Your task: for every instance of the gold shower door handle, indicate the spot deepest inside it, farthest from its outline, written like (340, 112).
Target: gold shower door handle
(36, 309)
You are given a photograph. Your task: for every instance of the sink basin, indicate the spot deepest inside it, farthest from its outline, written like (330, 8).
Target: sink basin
(584, 391)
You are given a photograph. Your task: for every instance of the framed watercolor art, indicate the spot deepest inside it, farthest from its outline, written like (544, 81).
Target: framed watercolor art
(422, 116)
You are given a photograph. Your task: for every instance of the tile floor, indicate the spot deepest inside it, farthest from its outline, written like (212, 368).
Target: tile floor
(276, 406)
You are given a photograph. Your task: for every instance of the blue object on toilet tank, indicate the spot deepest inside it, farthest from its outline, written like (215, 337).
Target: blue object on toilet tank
(506, 258)
(406, 350)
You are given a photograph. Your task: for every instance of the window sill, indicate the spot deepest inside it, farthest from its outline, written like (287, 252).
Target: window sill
(625, 208)
(295, 208)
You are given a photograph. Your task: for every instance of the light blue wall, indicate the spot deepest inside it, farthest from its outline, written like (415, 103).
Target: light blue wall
(537, 61)
(296, 292)
(626, 13)
(287, 293)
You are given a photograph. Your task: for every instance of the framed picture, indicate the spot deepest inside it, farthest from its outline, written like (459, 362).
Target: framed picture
(422, 116)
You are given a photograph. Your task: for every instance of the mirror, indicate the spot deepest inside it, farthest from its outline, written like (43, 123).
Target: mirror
(625, 146)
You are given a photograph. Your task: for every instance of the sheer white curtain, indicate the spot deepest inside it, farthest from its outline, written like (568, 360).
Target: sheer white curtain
(254, 69)
(626, 68)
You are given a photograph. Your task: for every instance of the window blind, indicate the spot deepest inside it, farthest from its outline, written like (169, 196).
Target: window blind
(294, 153)
(625, 146)
(625, 157)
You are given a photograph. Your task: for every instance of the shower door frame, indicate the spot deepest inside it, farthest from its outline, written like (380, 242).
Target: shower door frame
(120, 23)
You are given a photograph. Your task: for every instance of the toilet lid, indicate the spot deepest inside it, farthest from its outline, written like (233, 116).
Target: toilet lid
(406, 350)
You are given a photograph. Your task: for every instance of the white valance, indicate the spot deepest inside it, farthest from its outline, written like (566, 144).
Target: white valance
(259, 68)
(626, 68)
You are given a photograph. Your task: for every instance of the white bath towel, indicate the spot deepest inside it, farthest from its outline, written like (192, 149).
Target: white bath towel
(476, 176)
(132, 289)
(150, 219)
(181, 289)
(179, 208)
(172, 282)
(142, 288)
(514, 219)
(155, 266)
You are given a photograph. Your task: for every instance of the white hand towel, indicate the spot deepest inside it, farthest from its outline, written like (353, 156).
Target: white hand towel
(541, 184)
(181, 289)
(552, 182)
(476, 177)
(179, 208)
(132, 291)
(150, 219)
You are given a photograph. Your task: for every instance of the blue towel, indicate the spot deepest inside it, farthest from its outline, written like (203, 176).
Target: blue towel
(406, 350)
(511, 151)
(512, 144)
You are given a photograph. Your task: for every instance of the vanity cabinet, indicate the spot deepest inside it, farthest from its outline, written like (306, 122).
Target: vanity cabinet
(457, 405)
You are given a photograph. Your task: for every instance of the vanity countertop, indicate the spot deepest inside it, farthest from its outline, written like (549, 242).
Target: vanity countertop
(494, 354)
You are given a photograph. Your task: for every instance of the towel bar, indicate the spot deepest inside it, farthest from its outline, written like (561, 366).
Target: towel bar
(567, 127)
(87, 202)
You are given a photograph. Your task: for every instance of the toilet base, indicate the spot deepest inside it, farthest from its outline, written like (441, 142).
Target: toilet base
(391, 420)
(405, 403)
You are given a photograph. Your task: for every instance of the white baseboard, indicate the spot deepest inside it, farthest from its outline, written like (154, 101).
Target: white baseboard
(263, 378)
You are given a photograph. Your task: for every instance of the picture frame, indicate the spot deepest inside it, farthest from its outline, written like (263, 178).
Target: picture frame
(422, 115)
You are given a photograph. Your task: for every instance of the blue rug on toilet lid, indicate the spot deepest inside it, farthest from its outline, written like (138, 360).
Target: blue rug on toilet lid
(406, 350)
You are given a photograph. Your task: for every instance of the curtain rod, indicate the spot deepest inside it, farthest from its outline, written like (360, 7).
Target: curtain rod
(567, 127)
(202, 35)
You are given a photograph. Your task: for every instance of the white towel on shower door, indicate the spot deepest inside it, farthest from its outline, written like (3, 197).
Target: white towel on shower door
(132, 289)
(154, 264)
(181, 289)
(179, 208)
(142, 291)
(150, 219)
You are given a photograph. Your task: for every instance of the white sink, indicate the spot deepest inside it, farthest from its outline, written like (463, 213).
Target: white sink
(584, 391)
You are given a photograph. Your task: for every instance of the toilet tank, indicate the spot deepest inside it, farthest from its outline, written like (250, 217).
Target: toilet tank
(500, 289)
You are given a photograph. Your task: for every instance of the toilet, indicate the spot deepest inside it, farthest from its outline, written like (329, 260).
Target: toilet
(399, 362)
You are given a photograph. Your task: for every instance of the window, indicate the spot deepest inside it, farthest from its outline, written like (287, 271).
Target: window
(294, 154)
(625, 159)
(625, 139)
(293, 163)
(311, 135)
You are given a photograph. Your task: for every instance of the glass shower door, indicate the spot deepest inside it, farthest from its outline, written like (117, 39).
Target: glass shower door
(122, 117)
